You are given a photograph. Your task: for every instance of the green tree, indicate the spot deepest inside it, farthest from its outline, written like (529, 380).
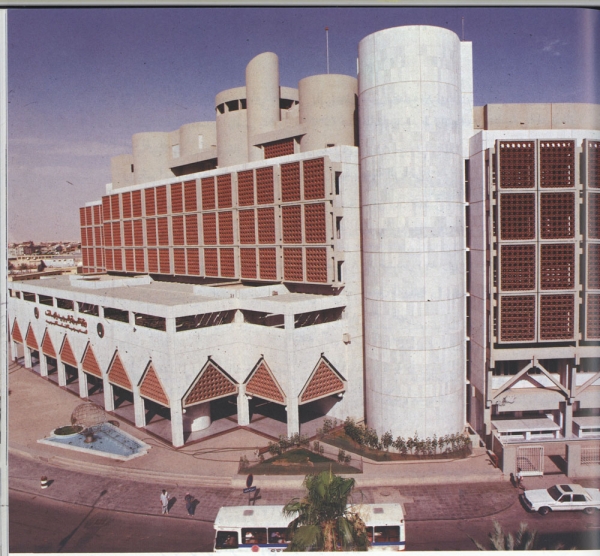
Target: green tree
(322, 520)
(499, 540)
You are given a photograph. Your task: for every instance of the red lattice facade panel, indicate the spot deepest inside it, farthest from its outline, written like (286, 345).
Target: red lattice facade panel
(128, 233)
(138, 233)
(264, 186)
(66, 353)
(118, 375)
(179, 261)
(85, 259)
(98, 235)
(314, 223)
(210, 385)
(126, 200)
(150, 201)
(517, 267)
(165, 261)
(82, 219)
(557, 266)
(99, 257)
(107, 229)
(108, 259)
(136, 204)
(517, 164)
(16, 333)
(151, 235)
(267, 261)
(557, 317)
(279, 148)
(97, 214)
(161, 200)
(593, 266)
(314, 179)
(176, 197)
(262, 383)
(557, 164)
(290, 182)
(208, 194)
(517, 318)
(248, 262)
(129, 260)
(291, 223)
(517, 216)
(557, 215)
(247, 227)
(226, 228)
(224, 191)
(293, 269)
(118, 259)
(191, 229)
(152, 388)
(227, 257)
(593, 164)
(30, 339)
(593, 215)
(593, 317)
(48, 346)
(115, 213)
(211, 262)
(209, 228)
(191, 201)
(116, 234)
(139, 261)
(163, 231)
(105, 209)
(178, 230)
(316, 264)
(323, 382)
(193, 261)
(153, 261)
(246, 188)
(266, 225)
(90, 363)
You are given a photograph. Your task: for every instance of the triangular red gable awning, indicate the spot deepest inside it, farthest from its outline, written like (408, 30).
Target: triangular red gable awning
(30, 339)
(89, 363)
(323, 381)
(118, 375)
(152, 388)
(16, 333)
(263, 384)
(66, 354)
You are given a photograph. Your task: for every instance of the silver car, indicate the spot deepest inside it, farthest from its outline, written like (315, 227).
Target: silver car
(561, 498)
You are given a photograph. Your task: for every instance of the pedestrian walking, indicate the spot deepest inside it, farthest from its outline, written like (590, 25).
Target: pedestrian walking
(189, 503)
(164, 502)
(519, 477)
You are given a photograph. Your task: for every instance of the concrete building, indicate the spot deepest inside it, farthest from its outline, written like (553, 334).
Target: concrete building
(439, 273)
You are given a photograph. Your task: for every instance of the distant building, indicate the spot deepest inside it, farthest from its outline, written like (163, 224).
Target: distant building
(439, 273)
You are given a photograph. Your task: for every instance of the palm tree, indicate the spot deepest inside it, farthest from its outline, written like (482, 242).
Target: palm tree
(499, 540)
(323, 520)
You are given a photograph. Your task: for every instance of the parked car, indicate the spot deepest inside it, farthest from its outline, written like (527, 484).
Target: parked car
(562, 497)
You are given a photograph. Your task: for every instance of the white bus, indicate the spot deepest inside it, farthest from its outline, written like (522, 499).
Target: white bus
(264, 528)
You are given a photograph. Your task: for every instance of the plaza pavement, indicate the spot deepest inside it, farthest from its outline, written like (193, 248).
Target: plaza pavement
(451, 489)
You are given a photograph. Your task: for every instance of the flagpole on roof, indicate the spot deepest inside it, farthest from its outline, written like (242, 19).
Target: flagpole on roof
(327, 46)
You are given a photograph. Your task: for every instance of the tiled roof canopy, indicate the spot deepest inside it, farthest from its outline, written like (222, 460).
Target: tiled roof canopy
(16, 333)
(152, 388)
(118, 375)
(262, 383)
(47, 345)
(66, 353)
(211, 383)
(323, 381)
(89, 363)
(30, 339)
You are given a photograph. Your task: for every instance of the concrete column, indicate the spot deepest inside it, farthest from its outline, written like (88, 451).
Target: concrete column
(83, 383)
(43, 364)
(574, 459)
(27, 355)
(177, 424)
(109, 399)
(568, 420)
(14, 351)
(139, 409)
(293, 416)
(509, 459)
(62, 374)
(243, 407)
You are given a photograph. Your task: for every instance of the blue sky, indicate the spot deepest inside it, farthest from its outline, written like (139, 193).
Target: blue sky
(81, 82)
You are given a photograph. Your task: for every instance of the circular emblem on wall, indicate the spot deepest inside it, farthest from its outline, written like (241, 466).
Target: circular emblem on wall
(100, 330)
(36, 313)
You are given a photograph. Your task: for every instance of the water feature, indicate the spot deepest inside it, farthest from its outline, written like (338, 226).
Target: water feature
(102, 440)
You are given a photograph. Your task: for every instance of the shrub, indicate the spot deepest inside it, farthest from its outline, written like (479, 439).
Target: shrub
(387, 440)
(341, 456)
(274, 448)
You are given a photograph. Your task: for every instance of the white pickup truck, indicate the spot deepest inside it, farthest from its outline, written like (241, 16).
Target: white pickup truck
(561, 498)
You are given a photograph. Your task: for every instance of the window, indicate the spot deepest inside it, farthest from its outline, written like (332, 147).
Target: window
(339, 270)
(278, 535)
(132, 168)
(204, 321)
(200, 142)
(387, 534)
(565, 498)
(65, 304)
(46, 300)
(263, 319)
(150, 321)
(254, 535)
(226, 539)
(318, 317)
(116, 314)
(338, 226)
(338, 176)
(175, 151)
(89, 309)
(579, 498)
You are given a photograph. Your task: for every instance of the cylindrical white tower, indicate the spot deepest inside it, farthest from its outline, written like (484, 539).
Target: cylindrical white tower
(262, 96)
(151, 156)
(412, 197)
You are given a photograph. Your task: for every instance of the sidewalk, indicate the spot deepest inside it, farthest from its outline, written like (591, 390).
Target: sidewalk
(213, 462)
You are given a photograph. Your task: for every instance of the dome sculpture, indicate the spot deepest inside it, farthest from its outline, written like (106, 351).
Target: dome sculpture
(88, 415)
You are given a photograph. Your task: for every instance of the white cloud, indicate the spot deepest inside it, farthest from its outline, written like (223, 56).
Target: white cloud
(553, 47)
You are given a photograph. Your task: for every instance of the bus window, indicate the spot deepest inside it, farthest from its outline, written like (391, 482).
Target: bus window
(254, 535)
(226, 539)
(388, 533)
(278, 535)
(370, 534)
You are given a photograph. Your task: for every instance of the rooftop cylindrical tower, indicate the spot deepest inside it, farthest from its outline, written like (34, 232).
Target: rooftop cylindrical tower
(412, 198)
(151, 152)
(262, 95)
(232, 127)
